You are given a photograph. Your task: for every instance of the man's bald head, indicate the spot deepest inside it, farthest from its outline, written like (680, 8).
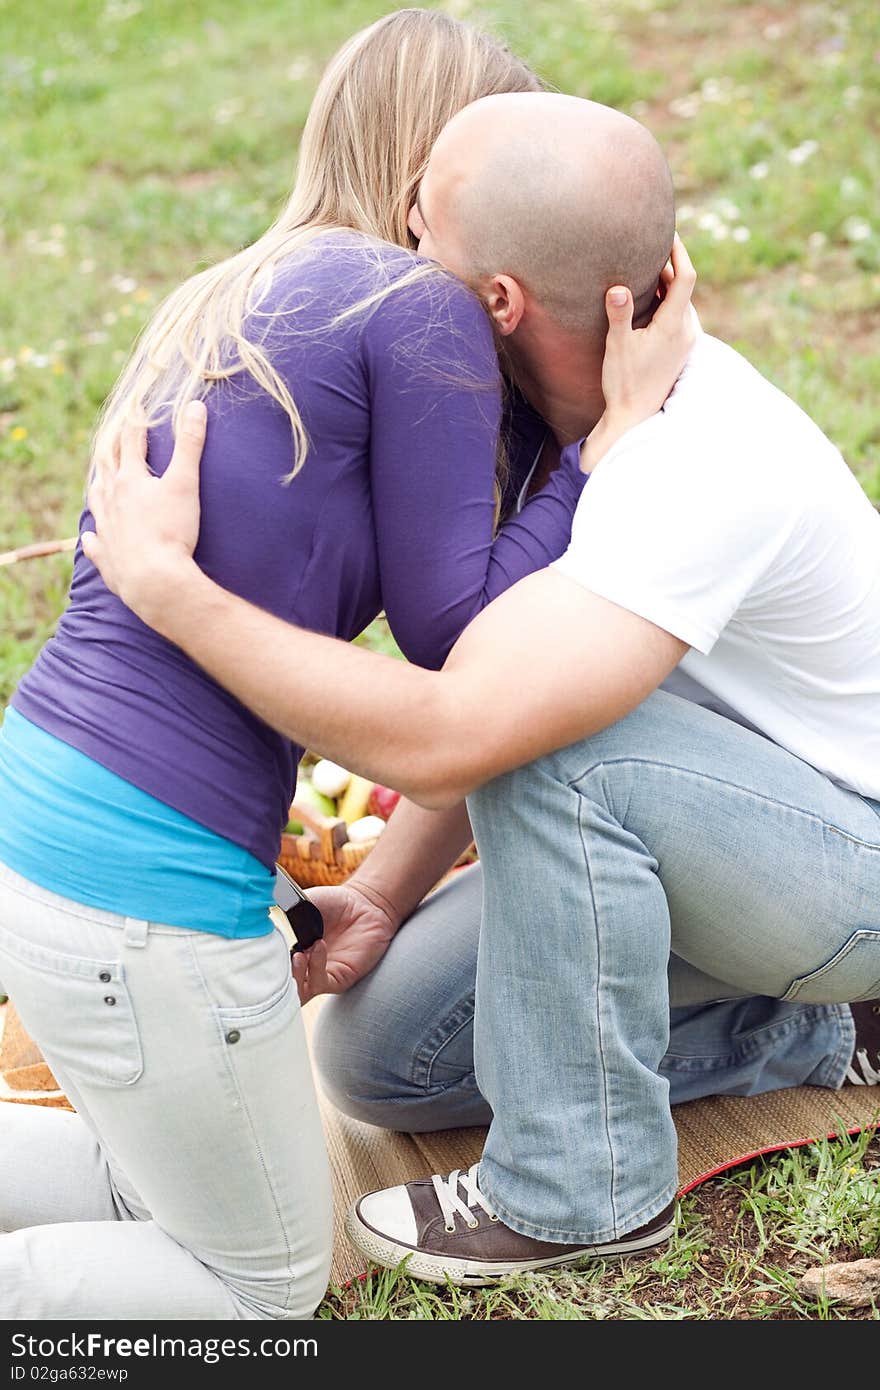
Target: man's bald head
(564, 195)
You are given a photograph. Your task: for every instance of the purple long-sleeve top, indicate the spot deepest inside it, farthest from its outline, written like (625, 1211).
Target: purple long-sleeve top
(393, 509)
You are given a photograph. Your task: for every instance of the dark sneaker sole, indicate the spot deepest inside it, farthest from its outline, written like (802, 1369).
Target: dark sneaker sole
(440, 1269)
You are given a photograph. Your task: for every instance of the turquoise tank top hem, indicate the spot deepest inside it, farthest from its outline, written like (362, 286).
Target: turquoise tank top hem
(72, 826)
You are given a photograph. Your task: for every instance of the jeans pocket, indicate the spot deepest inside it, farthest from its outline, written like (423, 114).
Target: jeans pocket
(77, 1009)
(258, 1022)
(851, 974)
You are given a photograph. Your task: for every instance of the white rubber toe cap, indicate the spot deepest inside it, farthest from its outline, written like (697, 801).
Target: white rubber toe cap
(390, 1212)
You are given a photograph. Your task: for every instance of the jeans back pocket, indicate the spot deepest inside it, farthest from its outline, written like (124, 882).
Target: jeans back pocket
(77, 1010)
(256, 1022)
(851, 974)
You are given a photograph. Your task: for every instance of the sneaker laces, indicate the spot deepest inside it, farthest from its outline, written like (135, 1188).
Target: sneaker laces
(451, 1205)
(869, 1076)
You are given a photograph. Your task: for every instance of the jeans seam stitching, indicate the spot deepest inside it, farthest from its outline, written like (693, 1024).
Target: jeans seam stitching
(245, 1110)
(721, 782)
(425, 1057)
(751, 1044)
(599, 1026)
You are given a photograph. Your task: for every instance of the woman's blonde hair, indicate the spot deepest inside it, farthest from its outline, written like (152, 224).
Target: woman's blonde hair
(380, 105)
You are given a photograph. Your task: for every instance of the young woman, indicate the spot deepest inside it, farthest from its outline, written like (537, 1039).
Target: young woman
(355, 402)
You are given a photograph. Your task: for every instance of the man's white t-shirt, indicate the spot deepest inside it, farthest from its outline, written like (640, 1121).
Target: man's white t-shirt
(732, 522)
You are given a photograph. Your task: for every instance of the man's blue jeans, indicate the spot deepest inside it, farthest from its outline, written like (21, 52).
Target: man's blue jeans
(675, 858)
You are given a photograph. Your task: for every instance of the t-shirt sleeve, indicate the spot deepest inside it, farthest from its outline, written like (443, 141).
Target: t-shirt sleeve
(679, 539)
(435, 398)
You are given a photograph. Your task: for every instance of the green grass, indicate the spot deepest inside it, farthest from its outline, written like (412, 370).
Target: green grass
(740, 1247)
(142, 141)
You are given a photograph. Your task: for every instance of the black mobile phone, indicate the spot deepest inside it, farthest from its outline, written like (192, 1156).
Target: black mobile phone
(305, 919)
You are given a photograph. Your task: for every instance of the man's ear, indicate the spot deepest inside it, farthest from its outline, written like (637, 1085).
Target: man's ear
(504, 298)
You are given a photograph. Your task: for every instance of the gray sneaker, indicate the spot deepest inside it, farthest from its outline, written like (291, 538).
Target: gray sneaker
(447, 1228)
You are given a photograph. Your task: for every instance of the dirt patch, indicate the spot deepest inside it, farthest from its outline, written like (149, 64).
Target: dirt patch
(829, 299)
(193, 181)
(678, 42)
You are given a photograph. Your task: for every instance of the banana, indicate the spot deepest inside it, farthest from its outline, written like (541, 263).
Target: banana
(355, 799)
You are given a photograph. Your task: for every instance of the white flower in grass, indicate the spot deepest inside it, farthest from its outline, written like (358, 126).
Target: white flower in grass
(109, 318)
(716, 89)
(728, 210)
(86, 267)
(686, 107)
(817, 241)
(721, 232)
(48, 246)
(850, 187)
(120, 10)
(227, 111)
(741, 234)
(298, 69)
(801, 153)
(857, 229)
(95, 337)
(7, 366)
(760, 170)
(124, 284)
(708, 221)
(773, 31)
(686, 213)
(39, 360)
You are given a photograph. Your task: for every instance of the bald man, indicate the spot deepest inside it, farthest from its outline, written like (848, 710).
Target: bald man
(721, 843)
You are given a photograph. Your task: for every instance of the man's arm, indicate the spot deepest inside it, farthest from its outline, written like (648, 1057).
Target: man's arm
(412, 854)
(547, 663)
(362, 915)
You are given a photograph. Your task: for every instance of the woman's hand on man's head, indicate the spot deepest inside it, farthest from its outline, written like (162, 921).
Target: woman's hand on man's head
(642, 365)
(146, 527)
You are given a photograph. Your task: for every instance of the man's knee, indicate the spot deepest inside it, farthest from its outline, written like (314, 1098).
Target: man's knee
(357, 1067)
(591, 765)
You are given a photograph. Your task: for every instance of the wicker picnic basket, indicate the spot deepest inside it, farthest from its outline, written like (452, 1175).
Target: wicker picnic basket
(323, 855)
(25, 1075)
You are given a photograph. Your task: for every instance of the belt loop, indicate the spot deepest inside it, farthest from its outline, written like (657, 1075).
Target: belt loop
(135, 932)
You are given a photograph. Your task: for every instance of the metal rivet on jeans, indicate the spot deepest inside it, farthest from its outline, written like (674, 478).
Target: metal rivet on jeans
(105, 977)
(109, 998)
(233, 1036)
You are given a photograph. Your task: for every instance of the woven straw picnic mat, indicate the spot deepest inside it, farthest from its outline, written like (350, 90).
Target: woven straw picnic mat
(713, 1134)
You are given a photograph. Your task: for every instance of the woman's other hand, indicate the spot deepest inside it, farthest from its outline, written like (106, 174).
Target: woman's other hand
(642, 365)
(358, 930)
(146, 528)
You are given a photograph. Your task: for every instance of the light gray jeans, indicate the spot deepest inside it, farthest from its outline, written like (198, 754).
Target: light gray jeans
(192, 1182)
(674, 859)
